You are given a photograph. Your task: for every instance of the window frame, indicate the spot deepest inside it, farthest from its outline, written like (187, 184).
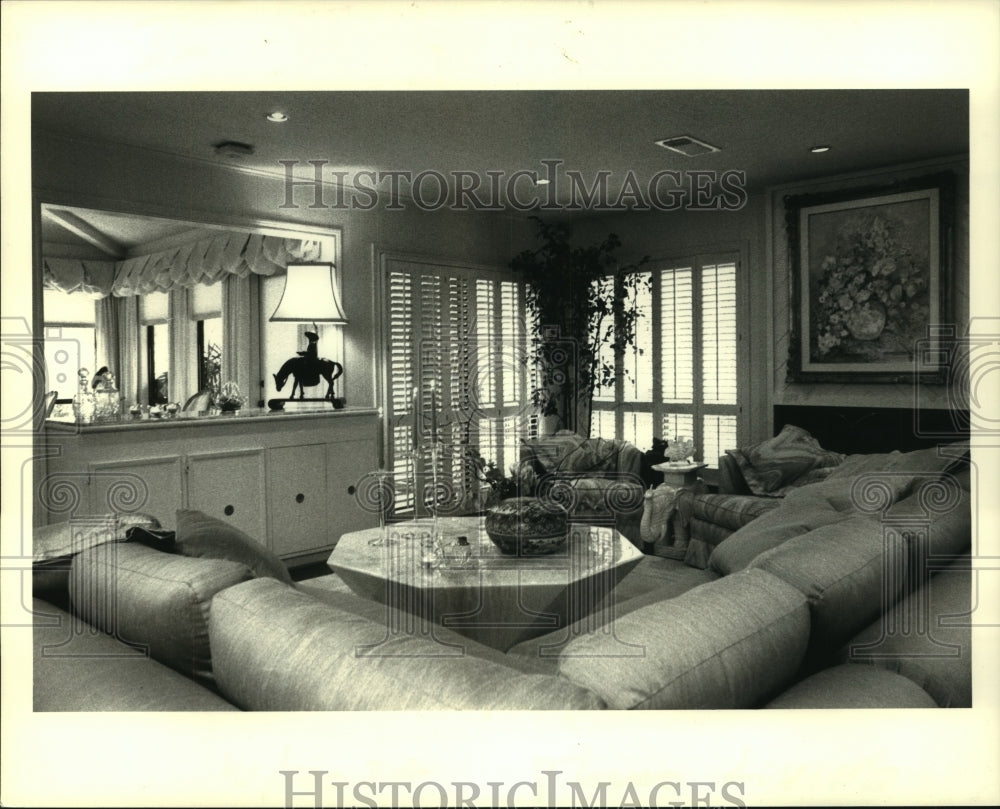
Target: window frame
(697, 408)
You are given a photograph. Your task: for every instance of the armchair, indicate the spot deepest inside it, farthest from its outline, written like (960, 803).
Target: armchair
(598, 479)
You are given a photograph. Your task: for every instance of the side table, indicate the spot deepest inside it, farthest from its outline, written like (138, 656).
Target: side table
(679, 474)
(660, 529)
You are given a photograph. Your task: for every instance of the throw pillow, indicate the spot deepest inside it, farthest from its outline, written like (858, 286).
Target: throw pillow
(155, 538)
(792, 458)
(203, 536)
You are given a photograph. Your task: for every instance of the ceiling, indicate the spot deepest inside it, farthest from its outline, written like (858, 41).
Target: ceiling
(765, 133)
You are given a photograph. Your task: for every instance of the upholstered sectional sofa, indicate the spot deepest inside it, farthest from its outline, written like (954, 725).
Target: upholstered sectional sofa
(844, 595)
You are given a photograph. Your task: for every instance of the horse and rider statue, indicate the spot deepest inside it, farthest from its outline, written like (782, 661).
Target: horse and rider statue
(306, 370)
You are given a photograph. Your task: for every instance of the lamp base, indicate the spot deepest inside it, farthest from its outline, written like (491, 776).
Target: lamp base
(279, 404)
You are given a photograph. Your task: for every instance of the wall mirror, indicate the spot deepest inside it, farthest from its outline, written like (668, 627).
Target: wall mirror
(171, 307)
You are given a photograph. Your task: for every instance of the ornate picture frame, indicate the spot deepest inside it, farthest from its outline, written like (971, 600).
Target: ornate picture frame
(870, 282)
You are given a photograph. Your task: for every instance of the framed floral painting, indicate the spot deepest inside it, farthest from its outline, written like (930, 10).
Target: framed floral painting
(870, 281)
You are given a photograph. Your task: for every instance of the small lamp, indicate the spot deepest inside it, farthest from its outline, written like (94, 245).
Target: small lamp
(309, 296)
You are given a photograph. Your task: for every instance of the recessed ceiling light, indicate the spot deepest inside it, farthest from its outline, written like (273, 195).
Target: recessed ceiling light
(687, 145)
(277, 117)
(819, 149)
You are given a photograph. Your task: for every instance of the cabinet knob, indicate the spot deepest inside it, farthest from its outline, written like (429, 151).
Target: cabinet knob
(228, 511)
(299, 497)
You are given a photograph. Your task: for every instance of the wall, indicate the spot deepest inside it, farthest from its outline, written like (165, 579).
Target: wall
(862, 395)
(122, 178)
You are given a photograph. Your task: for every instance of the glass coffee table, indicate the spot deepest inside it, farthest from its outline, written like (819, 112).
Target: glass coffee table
(463, 582)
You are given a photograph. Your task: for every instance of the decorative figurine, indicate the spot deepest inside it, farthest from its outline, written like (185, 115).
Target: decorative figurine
(306, 369)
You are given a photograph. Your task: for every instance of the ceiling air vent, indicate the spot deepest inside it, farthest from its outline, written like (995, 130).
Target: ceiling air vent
(686, 145)
(233, 149)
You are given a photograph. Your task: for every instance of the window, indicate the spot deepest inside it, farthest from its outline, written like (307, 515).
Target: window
(70, 339)
(682, 373)
(455, 373)
(206, 312)
(154, 321)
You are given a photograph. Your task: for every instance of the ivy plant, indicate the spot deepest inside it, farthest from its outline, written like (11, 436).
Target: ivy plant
(582, 300)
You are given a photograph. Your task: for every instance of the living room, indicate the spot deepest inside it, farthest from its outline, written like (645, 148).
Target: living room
(796, 318)
(83, 162)
(271, 687)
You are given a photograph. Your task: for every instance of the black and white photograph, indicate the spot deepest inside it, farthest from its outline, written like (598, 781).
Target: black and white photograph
(573, 405)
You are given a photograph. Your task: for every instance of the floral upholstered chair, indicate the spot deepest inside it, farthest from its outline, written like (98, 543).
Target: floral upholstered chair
(597, 479)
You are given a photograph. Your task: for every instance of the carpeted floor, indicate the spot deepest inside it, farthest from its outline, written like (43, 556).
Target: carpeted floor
(312, 571)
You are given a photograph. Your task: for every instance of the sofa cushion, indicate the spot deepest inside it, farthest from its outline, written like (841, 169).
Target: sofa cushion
(926, 637)
(654, 579)
(76, 670)
(731, 643)
(203, 536)
(65, 539)
(771, 529)
(605, 496)
(791, 458)
(708, 519)
(930, 460)
(276, 648)
(944, 512)
(157, 601)
(54, 546)
(840, 569)
(731, 511)
(854, 687)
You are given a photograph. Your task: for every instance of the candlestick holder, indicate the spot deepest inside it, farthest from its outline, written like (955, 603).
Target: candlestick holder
(377, 493)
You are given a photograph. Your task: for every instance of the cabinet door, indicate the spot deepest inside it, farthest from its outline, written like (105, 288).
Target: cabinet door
(296, 499)
(348, 462)
(147, 485)
(229, 486)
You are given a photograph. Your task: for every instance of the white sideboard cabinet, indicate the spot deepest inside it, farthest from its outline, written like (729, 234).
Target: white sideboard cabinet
(287, 479)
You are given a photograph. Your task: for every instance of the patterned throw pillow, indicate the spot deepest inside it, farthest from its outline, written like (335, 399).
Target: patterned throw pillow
(792, 458)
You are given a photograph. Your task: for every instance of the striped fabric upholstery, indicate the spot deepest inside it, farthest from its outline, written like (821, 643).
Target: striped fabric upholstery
(732, 643)
(275, 648)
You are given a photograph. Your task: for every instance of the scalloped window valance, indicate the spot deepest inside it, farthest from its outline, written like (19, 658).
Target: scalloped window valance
(201, 262)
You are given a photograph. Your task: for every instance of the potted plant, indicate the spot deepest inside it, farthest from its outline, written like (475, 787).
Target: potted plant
(495, 486)
(580, 300)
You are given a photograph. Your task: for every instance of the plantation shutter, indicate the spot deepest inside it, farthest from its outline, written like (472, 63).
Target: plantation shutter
(455, 373)
(719, 359)
(681, 377)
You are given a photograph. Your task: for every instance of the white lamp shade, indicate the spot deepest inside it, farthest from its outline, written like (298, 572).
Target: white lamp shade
(310, 296)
